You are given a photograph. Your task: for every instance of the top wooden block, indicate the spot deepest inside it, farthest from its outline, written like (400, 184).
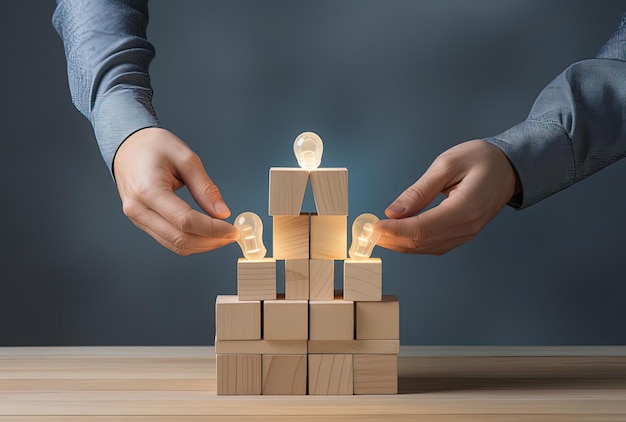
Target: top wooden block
(287, 187)
(330, 190)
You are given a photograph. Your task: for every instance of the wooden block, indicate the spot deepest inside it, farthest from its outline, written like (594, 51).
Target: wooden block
(330, 190)
(322, 279)
(331, 374)
(297, 279)
(378, 320)
(284, 374)
(331, 320)
(287, 187)
(256, 279)
(238, 374)
(237, 320)
(363, 279)
(291, 236)
(379, 347)
(329, 237)
(375, 374)
(285, 319)
(261, 347)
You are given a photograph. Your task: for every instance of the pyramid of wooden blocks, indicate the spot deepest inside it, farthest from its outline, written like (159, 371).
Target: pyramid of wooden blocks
(312, 339)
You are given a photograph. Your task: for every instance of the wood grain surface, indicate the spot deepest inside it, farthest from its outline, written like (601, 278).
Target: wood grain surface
(435, 384)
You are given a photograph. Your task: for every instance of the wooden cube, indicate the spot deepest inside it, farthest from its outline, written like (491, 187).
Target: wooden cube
(331, 320)
(286, 192)
(284, 374)
(297, 279)
(322, 279)
(329, 236)
(330, 190)
(262, 347)
(285, 319)
(238, 374)
(363, 279)
(375, 374)
(291, 236)
(256, 279)
(378, 347)
(331, 374)
(378, 320)
(237, 320)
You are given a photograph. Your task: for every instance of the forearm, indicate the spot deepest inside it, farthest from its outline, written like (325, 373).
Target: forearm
(576, 127)
(107, 58)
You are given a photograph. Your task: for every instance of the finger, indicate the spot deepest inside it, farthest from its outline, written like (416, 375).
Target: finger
(175, 240)
(420, 194)
(438, 249)
(203, 190)
(185, 219)
(433, 230)
(425, 225)
(403, 245)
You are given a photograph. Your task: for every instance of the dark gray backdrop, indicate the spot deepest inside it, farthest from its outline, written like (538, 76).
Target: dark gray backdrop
(388, 85)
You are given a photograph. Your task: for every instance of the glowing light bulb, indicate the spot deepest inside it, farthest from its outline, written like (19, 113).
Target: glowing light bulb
(364, 237)
(250, 239)
(308, 148)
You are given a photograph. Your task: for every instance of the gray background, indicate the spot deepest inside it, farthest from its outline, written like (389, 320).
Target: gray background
(388, 85)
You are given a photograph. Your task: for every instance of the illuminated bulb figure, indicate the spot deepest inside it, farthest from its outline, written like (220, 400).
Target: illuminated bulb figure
(364, 237)
(250, 239)
(308, 148)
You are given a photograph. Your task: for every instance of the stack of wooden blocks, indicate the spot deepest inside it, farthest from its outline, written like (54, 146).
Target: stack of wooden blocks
(312, 339)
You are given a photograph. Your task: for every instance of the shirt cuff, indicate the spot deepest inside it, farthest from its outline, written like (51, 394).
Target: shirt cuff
(542, 156)
(117, 115)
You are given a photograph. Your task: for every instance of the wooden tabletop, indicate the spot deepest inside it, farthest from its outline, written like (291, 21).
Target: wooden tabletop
(436, 384)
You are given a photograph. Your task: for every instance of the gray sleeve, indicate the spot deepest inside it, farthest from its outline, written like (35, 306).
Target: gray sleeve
(107, 64)
(576, 127)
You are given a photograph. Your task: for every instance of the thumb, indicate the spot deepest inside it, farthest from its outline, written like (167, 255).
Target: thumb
(203, 190)
(417, 196)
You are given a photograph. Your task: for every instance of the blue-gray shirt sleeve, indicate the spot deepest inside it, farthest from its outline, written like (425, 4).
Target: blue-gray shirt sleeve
(107, 64)
(576, 127)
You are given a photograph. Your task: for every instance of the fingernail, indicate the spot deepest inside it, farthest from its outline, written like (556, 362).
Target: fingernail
(397, 208)
(221, 207)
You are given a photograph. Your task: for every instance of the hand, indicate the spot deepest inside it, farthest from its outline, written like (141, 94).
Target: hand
(149, 166)
(478, 181)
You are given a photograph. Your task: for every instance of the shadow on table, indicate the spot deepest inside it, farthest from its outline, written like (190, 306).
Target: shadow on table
(428, 385)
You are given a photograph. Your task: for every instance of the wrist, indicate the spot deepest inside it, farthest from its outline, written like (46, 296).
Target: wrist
(119, 115)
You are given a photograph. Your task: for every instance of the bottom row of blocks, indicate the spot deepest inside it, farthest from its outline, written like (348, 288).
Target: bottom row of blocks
(328, 374)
